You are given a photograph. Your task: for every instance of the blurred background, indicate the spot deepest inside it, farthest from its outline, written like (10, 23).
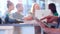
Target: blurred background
(27, 4)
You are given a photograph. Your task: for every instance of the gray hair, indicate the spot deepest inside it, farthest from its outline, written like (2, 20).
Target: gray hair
(18, 5)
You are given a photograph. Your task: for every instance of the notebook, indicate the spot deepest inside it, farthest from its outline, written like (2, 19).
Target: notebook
(42, 13)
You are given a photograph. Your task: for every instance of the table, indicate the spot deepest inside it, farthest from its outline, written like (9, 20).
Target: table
(23, 28)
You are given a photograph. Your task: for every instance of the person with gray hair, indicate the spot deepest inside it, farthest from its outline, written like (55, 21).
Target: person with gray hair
(18, 15)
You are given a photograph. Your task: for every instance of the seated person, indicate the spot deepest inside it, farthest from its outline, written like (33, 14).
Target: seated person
(53, 18)
(7, 15)
(54, 14)
(18, 15)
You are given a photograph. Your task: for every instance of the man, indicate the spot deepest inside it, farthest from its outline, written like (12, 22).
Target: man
(18, 15)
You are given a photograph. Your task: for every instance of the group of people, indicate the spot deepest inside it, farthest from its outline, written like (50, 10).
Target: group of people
(52, 21)
(18, 17)
(15, 17)
(52, 25)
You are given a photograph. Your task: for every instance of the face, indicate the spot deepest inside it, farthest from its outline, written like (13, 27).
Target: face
(37, 7)
(11, 7)
(20, 8)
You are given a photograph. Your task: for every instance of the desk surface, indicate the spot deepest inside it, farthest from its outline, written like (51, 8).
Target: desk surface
(25, 28)
(21, 24)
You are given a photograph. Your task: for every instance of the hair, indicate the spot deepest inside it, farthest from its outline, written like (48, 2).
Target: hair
(18, 5)
(52, 7)
(9, 3)
(33, 7)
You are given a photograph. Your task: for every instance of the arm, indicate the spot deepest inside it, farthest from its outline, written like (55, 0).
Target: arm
(54, 18)
(47, 30)
(43, 18)
(46, 17)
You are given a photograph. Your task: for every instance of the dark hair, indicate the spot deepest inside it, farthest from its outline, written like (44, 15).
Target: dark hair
(52, 7)
(9, 3)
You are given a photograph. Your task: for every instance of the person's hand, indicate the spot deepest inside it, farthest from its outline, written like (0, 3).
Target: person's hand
(53, 18)
(28, 18)
(49, 18)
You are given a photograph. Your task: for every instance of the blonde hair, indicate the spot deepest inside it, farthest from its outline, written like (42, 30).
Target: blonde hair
(33, 7)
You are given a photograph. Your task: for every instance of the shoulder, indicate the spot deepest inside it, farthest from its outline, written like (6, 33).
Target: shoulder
(14, 13)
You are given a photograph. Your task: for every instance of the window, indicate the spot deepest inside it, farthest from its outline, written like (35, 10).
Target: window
(27, 5)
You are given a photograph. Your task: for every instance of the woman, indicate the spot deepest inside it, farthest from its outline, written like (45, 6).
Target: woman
(8, 19)
(54, 13)
(31, 15)
(51, 19)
